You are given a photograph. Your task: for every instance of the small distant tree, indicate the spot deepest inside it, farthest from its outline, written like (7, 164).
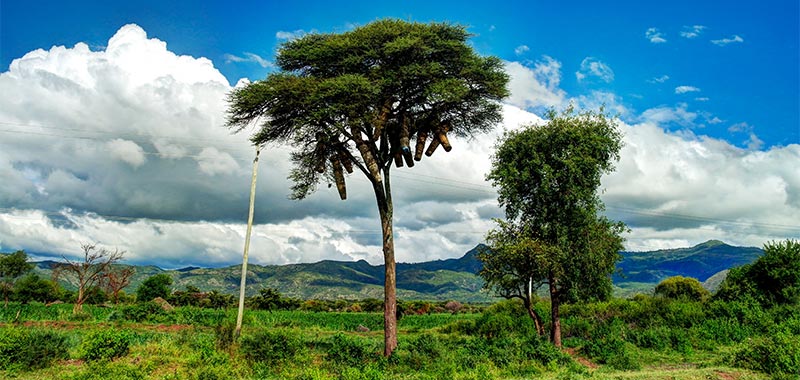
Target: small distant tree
(12, 266)
(34, 288)
(154, 286)
(86, 273)
(268, 299)
(679, 287)
(773, 279)
(117, 279)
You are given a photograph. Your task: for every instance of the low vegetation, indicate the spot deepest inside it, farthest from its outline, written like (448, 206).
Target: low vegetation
(749, 331)
(643, 337)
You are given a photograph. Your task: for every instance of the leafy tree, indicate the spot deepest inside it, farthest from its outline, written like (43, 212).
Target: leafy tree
(34, 288)
(548, 178)
(154, 286)
(270, 299)
(773, 279)
(359, 98)
(12, 266)
(679, 287)
(87, 273)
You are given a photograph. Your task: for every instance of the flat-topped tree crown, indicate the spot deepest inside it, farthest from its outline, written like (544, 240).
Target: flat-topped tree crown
(376, 93)
(359, 99)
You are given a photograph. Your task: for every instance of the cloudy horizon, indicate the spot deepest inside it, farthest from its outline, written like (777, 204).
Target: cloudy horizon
(124, 145)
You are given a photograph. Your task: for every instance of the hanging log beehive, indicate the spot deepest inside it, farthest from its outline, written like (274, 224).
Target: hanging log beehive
(399, 135)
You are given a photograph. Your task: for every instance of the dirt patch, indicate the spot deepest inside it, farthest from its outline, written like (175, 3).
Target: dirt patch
(725, 376)
(580, 359)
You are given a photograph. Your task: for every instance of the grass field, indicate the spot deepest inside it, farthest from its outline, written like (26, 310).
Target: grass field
(38, 342)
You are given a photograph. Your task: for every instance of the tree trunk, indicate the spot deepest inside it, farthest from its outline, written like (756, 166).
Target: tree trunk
(537, 320)
(555, 330)
(78, 307)
(383, 195)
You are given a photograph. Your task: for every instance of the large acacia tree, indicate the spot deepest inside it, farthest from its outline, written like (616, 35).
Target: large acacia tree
(548, 180)
(361, 99)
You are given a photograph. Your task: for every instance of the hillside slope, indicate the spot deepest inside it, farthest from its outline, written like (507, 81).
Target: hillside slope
(454, 279)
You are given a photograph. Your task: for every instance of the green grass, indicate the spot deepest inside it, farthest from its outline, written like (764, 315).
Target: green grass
(194, 343)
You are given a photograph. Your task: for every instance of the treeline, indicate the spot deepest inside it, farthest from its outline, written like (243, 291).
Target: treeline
(20, 284)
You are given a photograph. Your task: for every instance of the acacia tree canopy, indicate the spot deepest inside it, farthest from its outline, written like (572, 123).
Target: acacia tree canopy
(359, 99)
(385, 83)
(548, 178)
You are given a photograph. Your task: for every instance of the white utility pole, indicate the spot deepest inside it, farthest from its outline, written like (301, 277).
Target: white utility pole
(247, 243)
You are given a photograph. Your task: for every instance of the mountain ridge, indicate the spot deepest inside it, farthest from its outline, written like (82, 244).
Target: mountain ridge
(448, 279)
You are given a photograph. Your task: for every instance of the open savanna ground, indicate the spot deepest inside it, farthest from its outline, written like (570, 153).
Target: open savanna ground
(642, 338)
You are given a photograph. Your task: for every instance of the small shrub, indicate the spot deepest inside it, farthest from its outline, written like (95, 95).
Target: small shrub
(624, 359)
(225, 335)
(779, 354)
(495, 326)
(31, 349)
(542, 351)
(349, 351)
(106, 344)
(271, 346)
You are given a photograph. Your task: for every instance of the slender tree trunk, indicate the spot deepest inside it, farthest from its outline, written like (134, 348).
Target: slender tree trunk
(78, 307)
(555, 330)
(383, 194)
(537, 320)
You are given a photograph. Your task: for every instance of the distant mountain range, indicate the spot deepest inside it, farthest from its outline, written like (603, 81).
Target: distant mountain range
(451, 279)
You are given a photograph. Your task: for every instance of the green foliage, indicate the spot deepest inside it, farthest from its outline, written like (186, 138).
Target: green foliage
(154, 286)
(31, 349)
(679, 287)
(349, 351)
(271, 346)
(548, 179)
(12, 266)
(225, 335)
(140, 312)
(106, 344)
(34, 288)
(374, 79)
(773, 279)
(778, 354)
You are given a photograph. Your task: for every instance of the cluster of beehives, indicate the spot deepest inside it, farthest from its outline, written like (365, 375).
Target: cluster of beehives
(400, 146)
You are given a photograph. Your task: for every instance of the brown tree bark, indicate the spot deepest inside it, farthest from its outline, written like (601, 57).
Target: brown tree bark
(385, 209)
(537, 319)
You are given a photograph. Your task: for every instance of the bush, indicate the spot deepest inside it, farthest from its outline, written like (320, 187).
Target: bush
(683, 288)
(779, 354)
(271, 346)
(141, 312)
(106, 344)
(154, 286)
(224, 335)
(541, 350)
(349, 351)
(31, 349)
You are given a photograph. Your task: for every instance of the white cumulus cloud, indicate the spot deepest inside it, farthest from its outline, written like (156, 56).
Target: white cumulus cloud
(727, 41)
(126, 151)
(692, 31)
(592, 67)
(655, 36)
(685, 89)
(136, 157)
(521, 49)
(535, 86)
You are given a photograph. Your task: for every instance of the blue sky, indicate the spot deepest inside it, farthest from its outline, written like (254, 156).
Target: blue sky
(128, 100)
(754, 81)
